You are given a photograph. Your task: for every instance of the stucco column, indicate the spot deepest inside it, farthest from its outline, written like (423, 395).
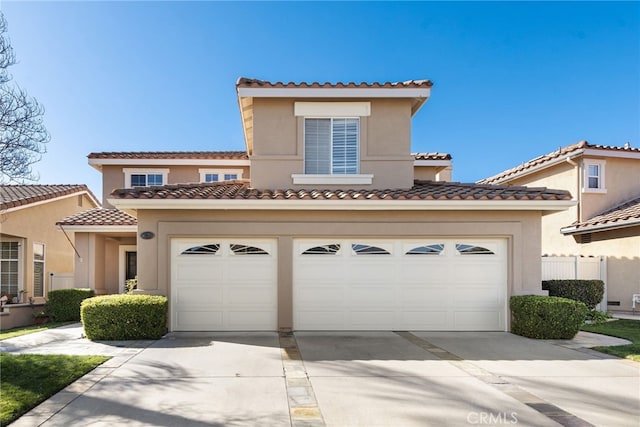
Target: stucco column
(285, 283)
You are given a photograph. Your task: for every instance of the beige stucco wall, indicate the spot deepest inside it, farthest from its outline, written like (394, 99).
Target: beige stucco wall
(521, 229)
(385, 144)
(432, 173)
(37, 224)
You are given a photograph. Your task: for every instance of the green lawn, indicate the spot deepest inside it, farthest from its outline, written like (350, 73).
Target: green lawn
(28, 379)
(622, 328)
(24, 330)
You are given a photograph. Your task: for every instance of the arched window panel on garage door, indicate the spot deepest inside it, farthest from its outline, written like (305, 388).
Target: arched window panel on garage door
(328, 249)
(469, 249)
(432, 249)
(364, 249)
(239, 249)
(210, 249)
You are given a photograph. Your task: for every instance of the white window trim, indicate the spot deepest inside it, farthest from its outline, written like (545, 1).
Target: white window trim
(144, 171)
(221, 173)
(44, 270)
(585, 182)
(332, 179)
(332, 109)
(20, 262)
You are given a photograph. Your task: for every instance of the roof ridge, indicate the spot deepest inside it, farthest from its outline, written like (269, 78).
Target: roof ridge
(252, 82)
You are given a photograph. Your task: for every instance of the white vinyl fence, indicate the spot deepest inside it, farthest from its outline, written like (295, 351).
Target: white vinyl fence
(577, 267)
(60, 281)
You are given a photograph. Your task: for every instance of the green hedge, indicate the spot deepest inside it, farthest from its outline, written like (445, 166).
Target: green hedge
(125, 317)
(590, 292)
(546, 317)
(64, 304)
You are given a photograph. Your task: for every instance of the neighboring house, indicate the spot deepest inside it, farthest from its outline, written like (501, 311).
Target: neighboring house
(33, 251)
(325, 222)
(606, 220)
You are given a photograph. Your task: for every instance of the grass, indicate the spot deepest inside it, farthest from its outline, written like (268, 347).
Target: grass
(622, 328)
(28, 379)
(24, 330)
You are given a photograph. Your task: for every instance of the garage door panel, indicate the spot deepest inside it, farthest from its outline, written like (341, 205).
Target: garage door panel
(371, 296)
(250, 296)
(443, 284)
(423, 296)
(199, 320)
(477, 296)
(220, 291)
(424, 319)
(198, 296)
(197, 272)
(478, 320)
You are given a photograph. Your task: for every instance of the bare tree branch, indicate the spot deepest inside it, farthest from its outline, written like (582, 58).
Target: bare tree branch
(22, 132)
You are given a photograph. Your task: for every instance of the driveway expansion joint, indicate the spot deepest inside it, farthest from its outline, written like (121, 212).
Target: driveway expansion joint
(303, 406)
(545, 408)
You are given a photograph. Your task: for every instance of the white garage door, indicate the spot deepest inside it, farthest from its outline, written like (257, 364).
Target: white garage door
(223, 285)
(432, 284)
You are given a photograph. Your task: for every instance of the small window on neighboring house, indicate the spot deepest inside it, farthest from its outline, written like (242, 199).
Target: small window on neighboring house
(219, 175)
(145, 177)
(594, 176)
(331, 146)
(9, 268)
(38, 270)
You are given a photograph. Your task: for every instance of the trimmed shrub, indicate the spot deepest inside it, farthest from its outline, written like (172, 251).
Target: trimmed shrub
(125, 317)
(589, 292)
(543, 317)
(64, 304)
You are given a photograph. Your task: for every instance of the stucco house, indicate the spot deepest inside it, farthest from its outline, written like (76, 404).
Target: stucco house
(33, 251)
(606, 220)
(326, 222)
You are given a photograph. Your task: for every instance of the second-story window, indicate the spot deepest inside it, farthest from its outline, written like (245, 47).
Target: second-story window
(331, 146)
(218, 175)
(594, 176)
(138, 177)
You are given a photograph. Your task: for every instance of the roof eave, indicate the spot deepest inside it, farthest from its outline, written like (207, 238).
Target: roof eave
(394, 205)
(573, 230)
(91, 228)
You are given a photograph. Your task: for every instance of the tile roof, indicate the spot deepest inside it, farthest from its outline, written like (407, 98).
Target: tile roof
(255, 83)
(100, 216)
(235, 155)
(623, 215)
(422, 190)
(431, 156)
(560, 152)
(12, 196)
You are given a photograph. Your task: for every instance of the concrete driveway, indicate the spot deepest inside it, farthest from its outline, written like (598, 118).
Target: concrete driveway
(341, 379)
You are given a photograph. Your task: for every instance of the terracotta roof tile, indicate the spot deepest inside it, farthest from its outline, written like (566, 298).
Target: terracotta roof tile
(560, 152)
(234, 155)
(100, 216)
(432, 156)
(625, 214)
(422, 190)
(12, 196)
(255, 83)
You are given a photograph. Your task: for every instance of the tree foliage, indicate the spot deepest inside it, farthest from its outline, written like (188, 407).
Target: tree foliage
(22, 132)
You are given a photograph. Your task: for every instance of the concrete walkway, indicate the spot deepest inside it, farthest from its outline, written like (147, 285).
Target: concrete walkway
(339, 379)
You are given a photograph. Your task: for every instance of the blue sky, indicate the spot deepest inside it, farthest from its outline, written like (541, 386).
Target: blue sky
(512, 80)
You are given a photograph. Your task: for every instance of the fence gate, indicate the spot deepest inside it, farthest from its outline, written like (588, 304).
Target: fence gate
(577, 267)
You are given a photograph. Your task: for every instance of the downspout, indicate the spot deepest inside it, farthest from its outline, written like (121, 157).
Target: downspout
(578, 188)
